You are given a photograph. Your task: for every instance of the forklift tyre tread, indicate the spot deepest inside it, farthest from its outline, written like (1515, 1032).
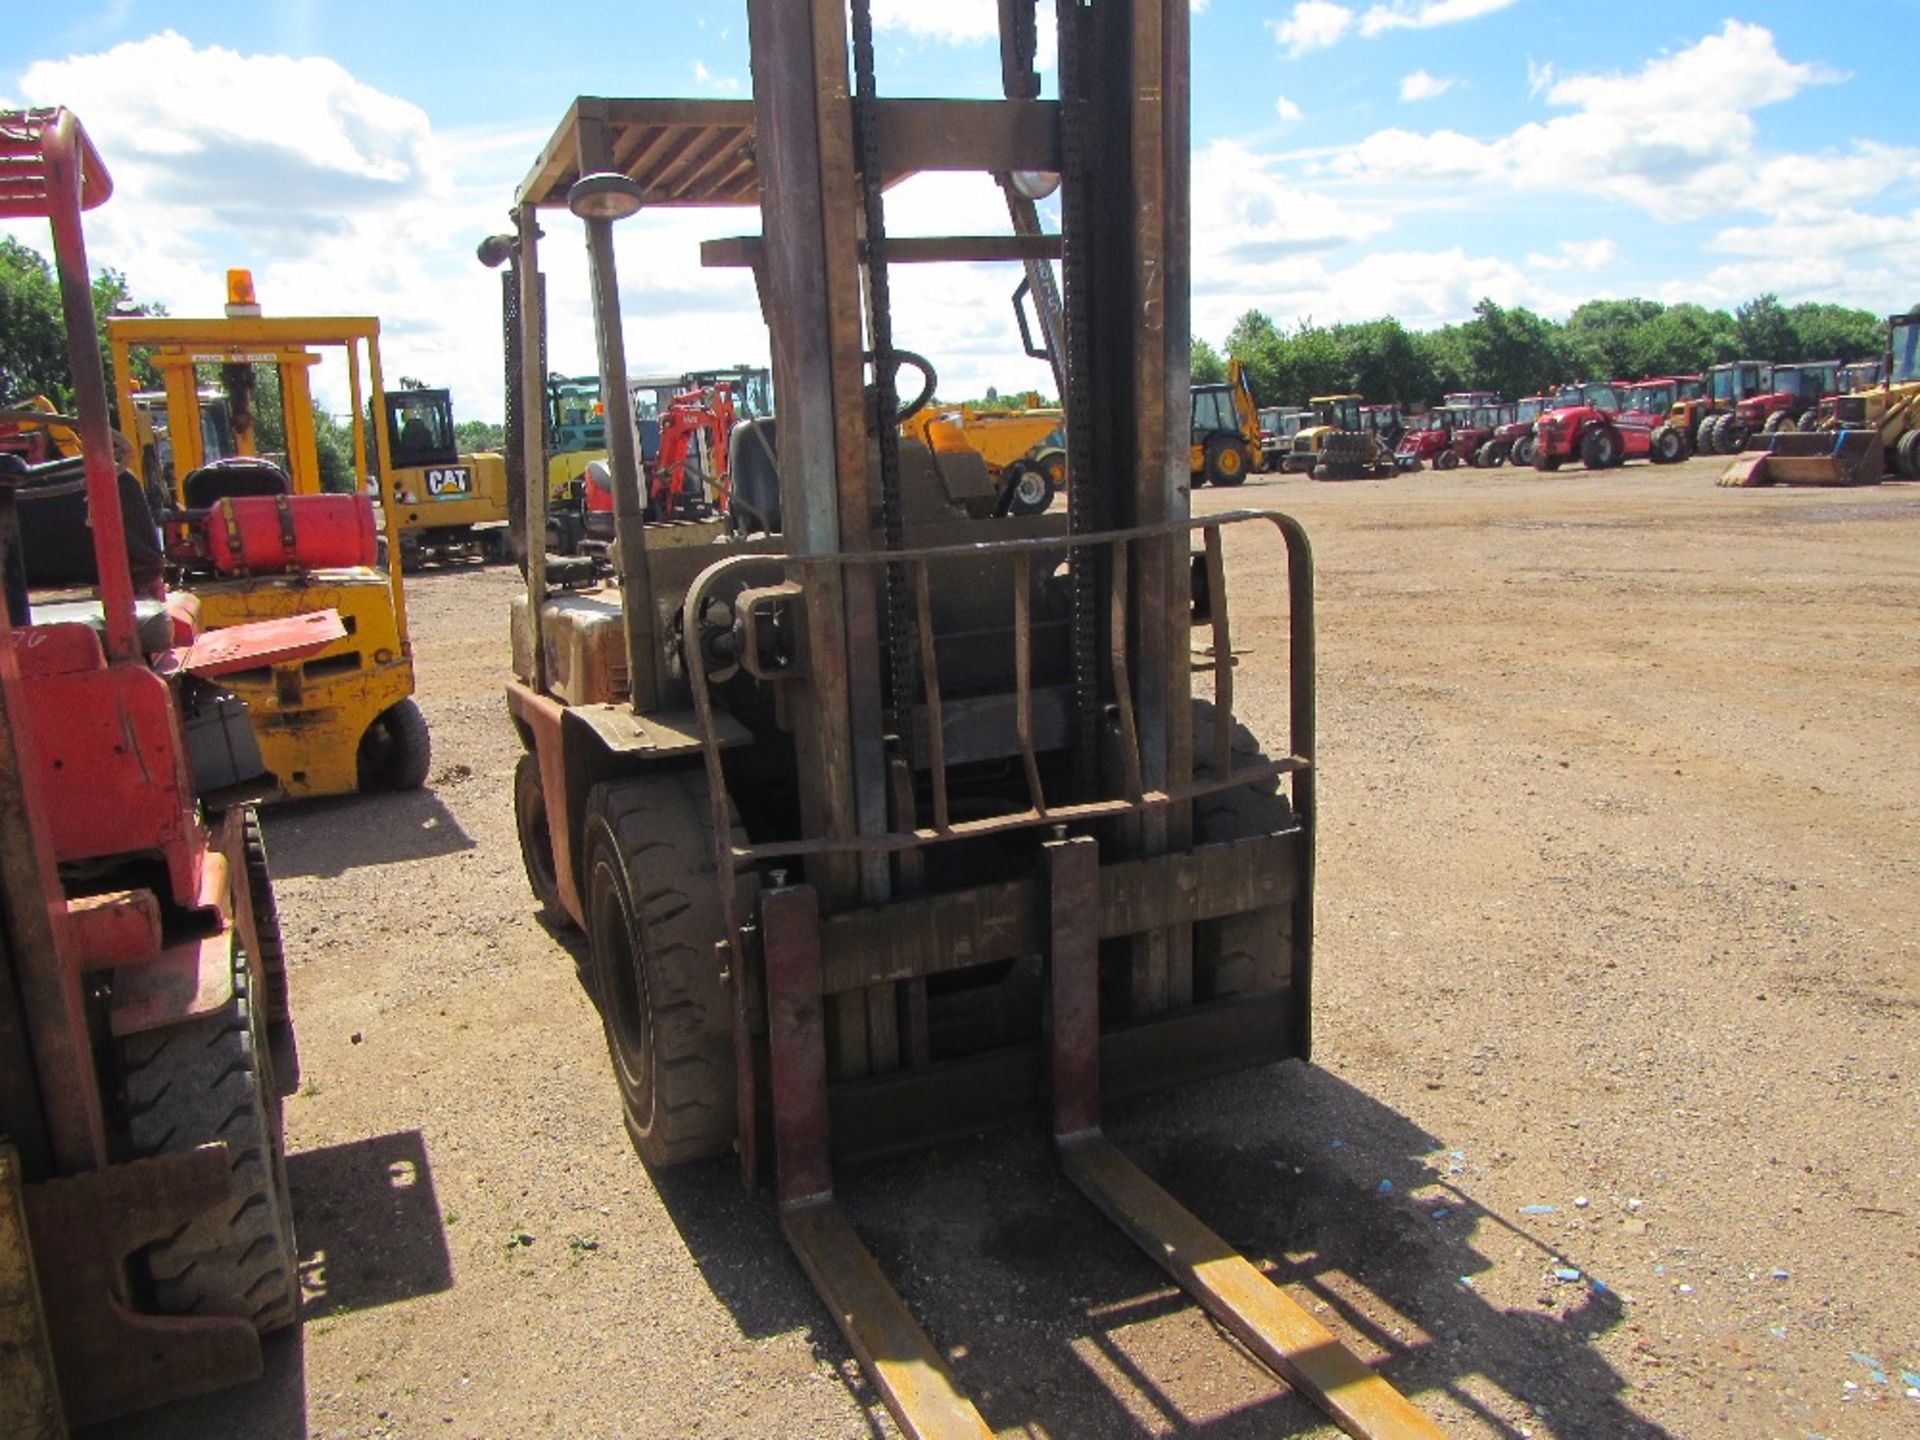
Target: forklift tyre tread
(397, 751)
(654, 921)
(276, 1005)
(198, 1083)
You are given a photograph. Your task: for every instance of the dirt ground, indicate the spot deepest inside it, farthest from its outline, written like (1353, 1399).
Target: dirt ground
(1611, 1126)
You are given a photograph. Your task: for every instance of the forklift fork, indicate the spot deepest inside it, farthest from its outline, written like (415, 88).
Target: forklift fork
(1280, 1334)
(906, 1367)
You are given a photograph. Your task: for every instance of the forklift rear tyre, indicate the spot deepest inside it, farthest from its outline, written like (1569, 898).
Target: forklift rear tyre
(536, 840)
(396, 752)
(1668, 446)
(1227, 461)
(1522, 451)
(202, 1082)
(275, 1004)
(653, 924)
(1447, 460)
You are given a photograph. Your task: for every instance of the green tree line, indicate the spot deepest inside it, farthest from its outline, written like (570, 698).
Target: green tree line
(1517, 352)
(33, 330)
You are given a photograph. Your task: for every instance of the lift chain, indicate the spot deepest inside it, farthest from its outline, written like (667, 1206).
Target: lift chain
(1083, 507)
(902, 669)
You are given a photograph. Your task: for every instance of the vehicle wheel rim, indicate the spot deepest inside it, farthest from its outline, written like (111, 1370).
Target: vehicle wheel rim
(1031, 489)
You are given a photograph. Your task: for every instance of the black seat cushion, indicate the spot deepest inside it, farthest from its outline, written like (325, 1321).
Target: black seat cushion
(234, 478)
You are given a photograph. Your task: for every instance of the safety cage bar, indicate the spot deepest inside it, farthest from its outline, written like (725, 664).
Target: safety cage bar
(1137, 798)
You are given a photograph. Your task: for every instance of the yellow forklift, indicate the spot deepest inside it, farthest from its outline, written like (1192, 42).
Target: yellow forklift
(343, 720)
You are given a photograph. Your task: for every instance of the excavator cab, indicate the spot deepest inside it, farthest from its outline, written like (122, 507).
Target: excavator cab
(421, 425)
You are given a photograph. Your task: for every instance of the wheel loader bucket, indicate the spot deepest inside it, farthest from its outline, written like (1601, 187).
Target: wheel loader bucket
(1821, 457)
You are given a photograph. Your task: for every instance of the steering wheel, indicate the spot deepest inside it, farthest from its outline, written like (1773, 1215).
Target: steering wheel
(929, 382)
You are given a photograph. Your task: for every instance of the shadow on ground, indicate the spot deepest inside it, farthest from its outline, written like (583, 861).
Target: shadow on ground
(369, 1224)
(326, 838)
(1056, 1323)
(369, 1233)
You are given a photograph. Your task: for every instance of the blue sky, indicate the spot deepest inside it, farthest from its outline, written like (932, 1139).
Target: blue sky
(1351, 159)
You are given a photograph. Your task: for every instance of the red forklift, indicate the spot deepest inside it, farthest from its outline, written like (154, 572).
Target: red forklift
(894, 817)
(146, 1235)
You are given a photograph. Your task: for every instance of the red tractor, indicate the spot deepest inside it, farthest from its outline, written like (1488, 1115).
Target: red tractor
(1513, 439)
(1583, 422)
(1423, 440)
(1790, 401)
(1432, 441)
(1647, 408)
(1475, 434)
(145, 1038)
(1726, 386)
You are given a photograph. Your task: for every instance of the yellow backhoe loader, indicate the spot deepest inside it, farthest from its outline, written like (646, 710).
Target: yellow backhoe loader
(1226, 445)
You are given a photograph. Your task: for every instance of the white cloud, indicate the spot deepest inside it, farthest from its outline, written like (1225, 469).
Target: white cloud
(1313, 25)
(1421, 85)
(1675, 138)
(1539, 78)
(1422, 288)
(969, 22)
(1584, 255)
(345, 200)
(715, 84)
(1425, 14)
(1316, 24)
(957, 22)
(1286, 109)
(1843, 256)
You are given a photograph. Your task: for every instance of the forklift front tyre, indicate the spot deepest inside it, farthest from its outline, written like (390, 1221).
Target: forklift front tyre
(654, 923)
(199, 1082)
(396, 752)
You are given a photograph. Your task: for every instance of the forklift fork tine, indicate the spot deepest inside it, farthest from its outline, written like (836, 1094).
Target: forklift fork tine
(1282, 1335)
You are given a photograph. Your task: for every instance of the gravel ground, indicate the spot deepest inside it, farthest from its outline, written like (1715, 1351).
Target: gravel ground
(1611, 1130)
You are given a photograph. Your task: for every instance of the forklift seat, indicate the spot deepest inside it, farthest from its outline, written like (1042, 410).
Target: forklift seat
(756, 478)
(235, 478)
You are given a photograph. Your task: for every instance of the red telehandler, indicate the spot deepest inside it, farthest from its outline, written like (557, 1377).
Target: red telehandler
(146, 1236)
